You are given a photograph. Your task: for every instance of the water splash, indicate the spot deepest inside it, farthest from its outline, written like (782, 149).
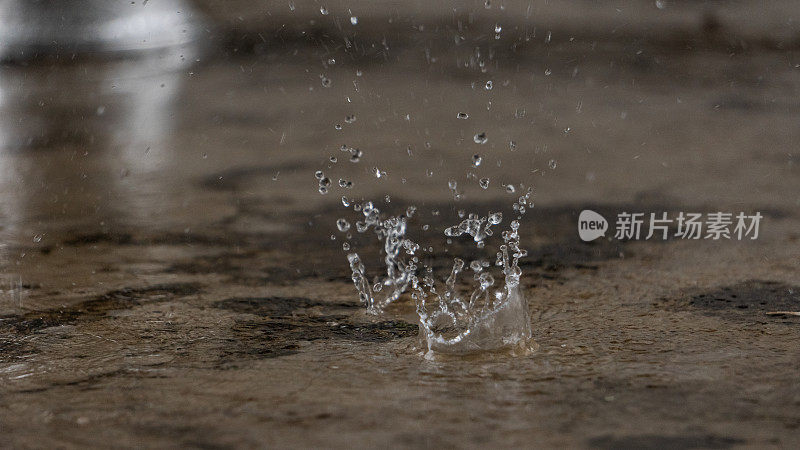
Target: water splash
(391, 232)
(454, 319)
(485, 320)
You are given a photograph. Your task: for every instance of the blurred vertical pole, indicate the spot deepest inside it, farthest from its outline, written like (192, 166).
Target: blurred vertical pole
(89, 96)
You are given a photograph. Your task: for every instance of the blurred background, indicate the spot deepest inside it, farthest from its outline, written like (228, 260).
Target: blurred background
(162, 228)
(152, 112)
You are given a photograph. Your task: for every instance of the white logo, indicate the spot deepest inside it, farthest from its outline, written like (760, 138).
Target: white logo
(591, 225)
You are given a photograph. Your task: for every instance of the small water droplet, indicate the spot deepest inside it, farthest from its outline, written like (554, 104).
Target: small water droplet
(476, 266)
(353, 20)
(484, 182)
(323, 10)
(463, 116)
(37, 238)
(476, 160)
(345, 201)
(319, 175)
(343, 225)
(480, 138)
(489, 85)
(326, 82)
(552, 163)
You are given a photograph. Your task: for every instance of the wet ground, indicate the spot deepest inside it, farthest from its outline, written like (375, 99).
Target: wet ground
(169, 278)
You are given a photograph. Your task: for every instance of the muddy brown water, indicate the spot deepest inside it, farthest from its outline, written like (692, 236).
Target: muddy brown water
(169, 277)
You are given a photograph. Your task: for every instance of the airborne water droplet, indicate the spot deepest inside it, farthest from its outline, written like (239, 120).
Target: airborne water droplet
(323, 10)
(489, 85)
(476, 266)
(343, 225)
(484, 182)
(354, 20)
(552, 163)
(463, 116)
(476, 160)
(480, 138)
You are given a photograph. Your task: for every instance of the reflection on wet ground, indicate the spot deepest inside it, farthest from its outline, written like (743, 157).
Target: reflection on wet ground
(169, 276)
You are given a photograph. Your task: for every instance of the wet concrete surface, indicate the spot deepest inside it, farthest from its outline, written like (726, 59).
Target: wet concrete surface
(169, 277)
